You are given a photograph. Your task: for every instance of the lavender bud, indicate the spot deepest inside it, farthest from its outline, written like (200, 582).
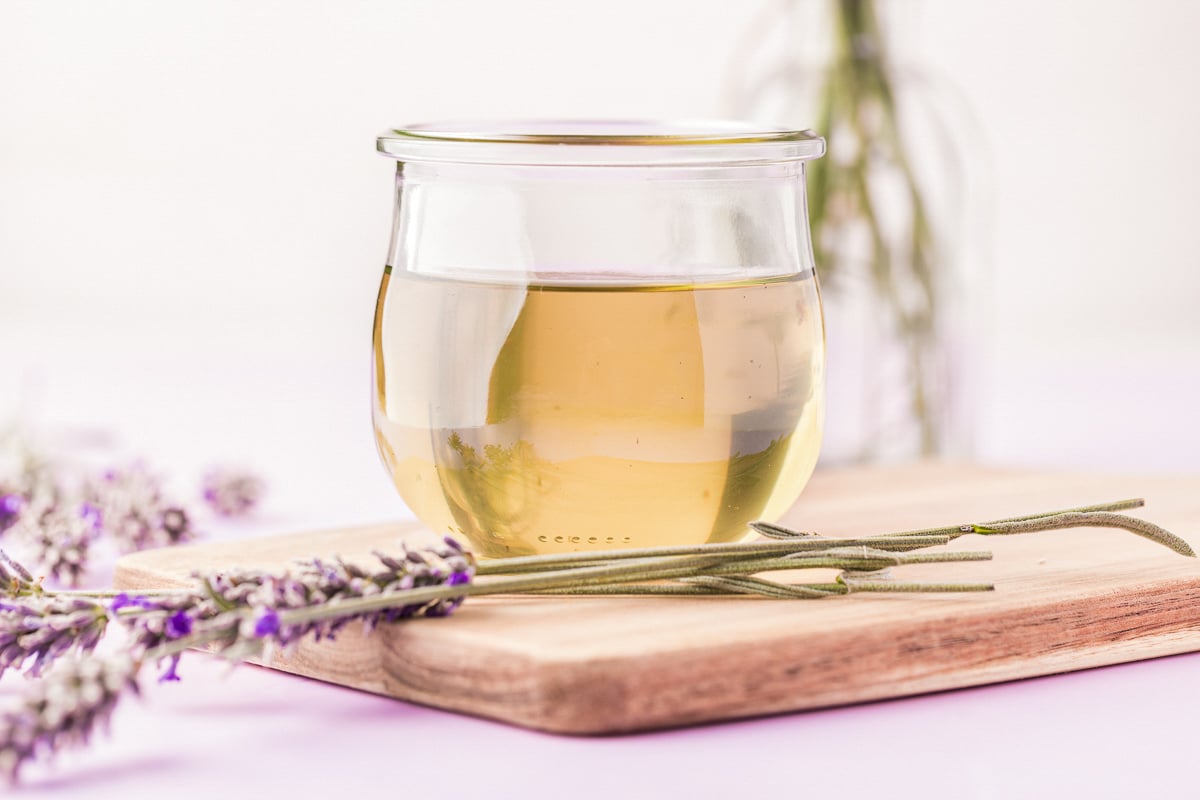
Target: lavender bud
(178, 625)
(267, 623)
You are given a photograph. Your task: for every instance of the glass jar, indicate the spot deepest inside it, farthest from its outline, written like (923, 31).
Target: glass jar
(594, 335)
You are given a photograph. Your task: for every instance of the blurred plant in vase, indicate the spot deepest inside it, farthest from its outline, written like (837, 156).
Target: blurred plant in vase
(881, 204)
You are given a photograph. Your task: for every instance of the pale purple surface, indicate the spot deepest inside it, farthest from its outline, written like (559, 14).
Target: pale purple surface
(1102, 733)
(1114, 732)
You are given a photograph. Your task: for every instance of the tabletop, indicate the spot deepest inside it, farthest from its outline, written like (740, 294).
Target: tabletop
(1101, 733)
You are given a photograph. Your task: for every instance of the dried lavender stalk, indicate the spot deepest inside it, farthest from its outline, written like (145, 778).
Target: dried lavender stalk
(60, 537)
(58, 515)
(36, 632)
(63, 709)
(240, 610)
(135, 511)
(41, 500)
(327, 583)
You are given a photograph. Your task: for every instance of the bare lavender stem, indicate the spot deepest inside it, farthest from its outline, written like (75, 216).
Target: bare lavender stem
(795, 543)
(1092, 519)
(954, 531)
(101, 594)
(788, 541)
(1095, 516)
(637, 571)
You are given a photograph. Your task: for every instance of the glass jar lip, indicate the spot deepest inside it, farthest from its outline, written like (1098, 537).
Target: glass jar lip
(599, 142)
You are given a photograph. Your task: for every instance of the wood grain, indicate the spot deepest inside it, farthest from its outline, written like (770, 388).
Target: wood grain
(1064, 601)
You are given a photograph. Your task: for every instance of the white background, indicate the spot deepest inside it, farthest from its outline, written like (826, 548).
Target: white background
(193, 219)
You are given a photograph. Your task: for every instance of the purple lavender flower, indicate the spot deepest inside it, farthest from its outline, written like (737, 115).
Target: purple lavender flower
(230, 492)
(40, 630)
(57, 524)
(61, 537)
(155, 622)
(128, 505)
(133, 508)
(320, 582)
(64, 708)
(178, 625)
(237, 611)
(267, 623)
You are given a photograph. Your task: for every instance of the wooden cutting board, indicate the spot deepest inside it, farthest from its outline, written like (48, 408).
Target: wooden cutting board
(1064, 600)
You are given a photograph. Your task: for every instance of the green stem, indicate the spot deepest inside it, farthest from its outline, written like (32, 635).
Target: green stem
(818, 590)
(897, 586)
(955, 531)
(1096, 519)
(1097, 516)
(203, 639)
(101, 594)
(794, 544)
(859, 113)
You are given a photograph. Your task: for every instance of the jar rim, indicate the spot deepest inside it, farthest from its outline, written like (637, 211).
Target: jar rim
(599, 142)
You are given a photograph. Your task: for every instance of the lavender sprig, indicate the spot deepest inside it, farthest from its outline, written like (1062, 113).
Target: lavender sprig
(61, 538)
(42, 499)
(134, 509)
(237, 610)
(36, 632)
(319, 583)
(241, 610)
(58, 515)
(63, 709)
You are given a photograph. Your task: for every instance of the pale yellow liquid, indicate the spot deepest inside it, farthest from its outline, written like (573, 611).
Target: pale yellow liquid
(536, 419)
